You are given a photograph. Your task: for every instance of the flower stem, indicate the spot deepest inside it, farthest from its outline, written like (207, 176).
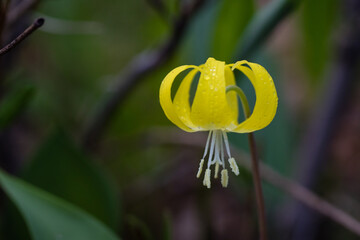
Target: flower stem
(243, 99)
(258, 188)
(254, 164)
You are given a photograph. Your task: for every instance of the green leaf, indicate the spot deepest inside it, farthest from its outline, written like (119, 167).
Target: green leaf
(262, 25)
(14, 103)
(231, 22)
(49, 217)
(318, 19)
(60, 168)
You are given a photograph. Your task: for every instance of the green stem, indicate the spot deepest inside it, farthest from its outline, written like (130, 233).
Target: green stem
(243, 99)
(254, 164)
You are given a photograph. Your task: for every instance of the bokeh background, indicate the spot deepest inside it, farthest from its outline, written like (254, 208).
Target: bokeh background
(133, 170)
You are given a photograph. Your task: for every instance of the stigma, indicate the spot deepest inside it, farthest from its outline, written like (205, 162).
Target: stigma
(217, 146)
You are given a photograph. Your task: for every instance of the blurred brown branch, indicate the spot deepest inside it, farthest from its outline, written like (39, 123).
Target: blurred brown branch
(300, 193)
(27, 32)
(324, 122)
(141, 65)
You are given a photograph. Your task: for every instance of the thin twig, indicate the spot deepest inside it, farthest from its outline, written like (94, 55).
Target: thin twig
(300, 193)
(258, 189)
(36, 24)
(138, 68)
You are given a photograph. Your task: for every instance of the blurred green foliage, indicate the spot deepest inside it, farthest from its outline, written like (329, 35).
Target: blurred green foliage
(14, 104)
(319, 19)
(231, 21)
(63, 170)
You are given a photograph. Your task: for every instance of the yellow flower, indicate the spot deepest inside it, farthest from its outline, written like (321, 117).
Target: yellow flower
(215, 108)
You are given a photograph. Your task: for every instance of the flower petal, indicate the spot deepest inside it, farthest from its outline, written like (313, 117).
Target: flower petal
(210, 109)
(182, 99)
(231, 96)
(266, 98)
(165, 97)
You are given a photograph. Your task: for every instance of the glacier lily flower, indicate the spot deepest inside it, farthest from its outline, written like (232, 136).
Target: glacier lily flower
(215, 108)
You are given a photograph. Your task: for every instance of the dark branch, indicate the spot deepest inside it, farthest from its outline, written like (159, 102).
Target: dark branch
(36, 24)
(338, 92)
(138, 68)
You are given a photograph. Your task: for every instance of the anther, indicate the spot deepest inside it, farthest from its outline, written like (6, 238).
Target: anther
(224, 178)
(206, 181)
(200, 168)
(234, 166)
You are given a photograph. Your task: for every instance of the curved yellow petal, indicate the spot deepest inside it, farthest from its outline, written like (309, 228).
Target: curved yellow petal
(231, 96)
(210, 109)
(182, 99)
(165, 97)
(266, 98)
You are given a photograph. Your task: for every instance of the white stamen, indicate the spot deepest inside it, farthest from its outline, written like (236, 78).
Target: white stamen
(234, 166)
(216, 170)
(206, 181)
(222, 151)
(215, 143)
(224, 178)
(226, 144)
(211, 149)
(200, 168)
(207, 144)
